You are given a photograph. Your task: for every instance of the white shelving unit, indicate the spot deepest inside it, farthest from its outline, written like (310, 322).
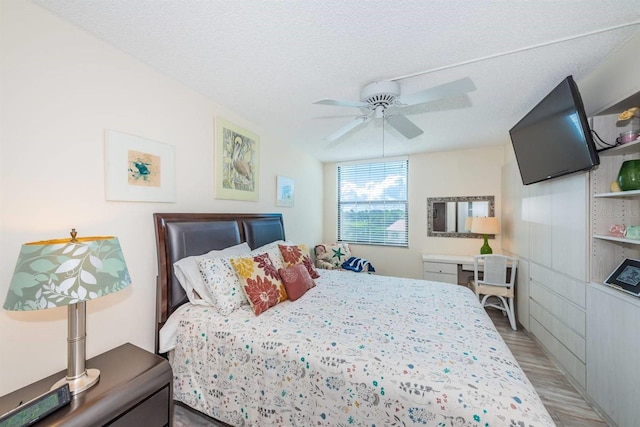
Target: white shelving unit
(611, 336)
(609, 208)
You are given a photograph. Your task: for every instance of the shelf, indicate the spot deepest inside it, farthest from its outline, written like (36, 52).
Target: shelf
(628, 148)
(616, 239)
(615, 292)
(618, 194)
(625, 104)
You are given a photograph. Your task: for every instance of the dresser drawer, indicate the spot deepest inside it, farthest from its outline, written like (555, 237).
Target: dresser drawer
(565, 358)
(440, 267)
(152, 412)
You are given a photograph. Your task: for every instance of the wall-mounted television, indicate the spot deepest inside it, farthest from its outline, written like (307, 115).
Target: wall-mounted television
(554, 138)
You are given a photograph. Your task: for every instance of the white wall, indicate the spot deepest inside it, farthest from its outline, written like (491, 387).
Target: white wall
(474, 172)
(61, 88)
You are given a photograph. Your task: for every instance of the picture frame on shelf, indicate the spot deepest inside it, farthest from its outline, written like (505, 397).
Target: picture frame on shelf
(285, 191)
(138, 169)
(237, 162)
(626, 277)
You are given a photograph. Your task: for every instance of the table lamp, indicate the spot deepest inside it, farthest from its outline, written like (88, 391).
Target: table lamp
(69, 272)
(467, 223)
(485, 226)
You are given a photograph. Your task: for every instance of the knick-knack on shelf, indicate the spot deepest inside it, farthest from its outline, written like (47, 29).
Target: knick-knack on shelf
(629, 175)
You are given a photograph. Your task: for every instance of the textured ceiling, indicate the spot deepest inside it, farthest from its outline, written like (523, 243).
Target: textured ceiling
(270, 60)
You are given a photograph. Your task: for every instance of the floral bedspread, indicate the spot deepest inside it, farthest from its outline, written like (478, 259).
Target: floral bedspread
(359, 350)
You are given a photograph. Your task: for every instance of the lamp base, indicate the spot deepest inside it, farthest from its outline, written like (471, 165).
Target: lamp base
(80, 384)
(486, 249)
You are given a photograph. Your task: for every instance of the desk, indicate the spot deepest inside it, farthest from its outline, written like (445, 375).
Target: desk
(447, 268)
(455, 269)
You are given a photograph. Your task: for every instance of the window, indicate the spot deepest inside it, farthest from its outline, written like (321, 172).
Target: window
(373, 203)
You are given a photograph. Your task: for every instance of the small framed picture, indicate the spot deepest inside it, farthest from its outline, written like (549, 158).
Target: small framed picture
(138, 169)
(626, 277)
(285, 191)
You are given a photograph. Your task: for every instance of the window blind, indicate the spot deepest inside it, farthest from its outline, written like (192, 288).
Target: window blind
(373, 203)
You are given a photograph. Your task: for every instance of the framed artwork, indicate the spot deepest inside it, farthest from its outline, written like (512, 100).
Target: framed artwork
(139, 169)
(237, 162)
(626, 277)
(284, 191)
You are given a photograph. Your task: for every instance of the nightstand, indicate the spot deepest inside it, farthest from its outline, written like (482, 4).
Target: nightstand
(135, 389)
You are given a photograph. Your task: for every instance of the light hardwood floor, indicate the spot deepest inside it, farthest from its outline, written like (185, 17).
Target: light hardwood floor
(565, 404)
(567, 407)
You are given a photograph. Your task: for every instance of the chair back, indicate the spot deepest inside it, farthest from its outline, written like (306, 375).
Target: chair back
(495, 270)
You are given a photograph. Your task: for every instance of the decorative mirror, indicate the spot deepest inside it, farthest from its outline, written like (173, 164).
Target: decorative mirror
(447, 216)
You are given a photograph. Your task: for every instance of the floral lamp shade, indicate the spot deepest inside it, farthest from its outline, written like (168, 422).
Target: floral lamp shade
(61, 272)
(69, 272)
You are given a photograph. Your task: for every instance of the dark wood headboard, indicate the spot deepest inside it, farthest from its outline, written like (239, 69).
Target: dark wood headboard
(179, 235)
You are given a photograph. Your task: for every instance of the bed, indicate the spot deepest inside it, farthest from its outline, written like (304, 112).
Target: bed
(362, 350)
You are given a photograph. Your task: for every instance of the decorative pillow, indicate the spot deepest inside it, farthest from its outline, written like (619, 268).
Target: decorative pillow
(298, 254)
(296, 280)
(274, 253)
(188, 273)
(332, 255)
(260, 280)
(222, 284)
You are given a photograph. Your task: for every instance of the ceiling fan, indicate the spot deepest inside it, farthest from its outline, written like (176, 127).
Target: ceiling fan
(377, 97)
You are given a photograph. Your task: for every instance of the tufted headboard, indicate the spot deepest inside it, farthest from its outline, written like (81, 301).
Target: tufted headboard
(179, 235)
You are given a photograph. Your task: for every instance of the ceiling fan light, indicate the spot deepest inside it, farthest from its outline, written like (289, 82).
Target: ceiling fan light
(380, 93)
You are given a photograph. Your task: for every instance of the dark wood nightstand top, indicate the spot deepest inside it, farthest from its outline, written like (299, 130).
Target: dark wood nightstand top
(128, 375)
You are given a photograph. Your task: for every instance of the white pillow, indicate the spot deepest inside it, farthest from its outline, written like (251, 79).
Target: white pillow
(222, 284)
(168, 335)
(188, 273)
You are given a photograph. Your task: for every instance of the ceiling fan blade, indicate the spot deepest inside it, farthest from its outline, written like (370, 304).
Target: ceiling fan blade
(339, 103)
(456, 87)
(404, 126)
(347, 128)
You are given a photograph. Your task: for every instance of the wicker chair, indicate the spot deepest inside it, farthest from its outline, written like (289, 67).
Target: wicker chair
(496, 282)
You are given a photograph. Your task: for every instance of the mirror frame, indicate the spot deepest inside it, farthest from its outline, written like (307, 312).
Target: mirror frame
(432, 200)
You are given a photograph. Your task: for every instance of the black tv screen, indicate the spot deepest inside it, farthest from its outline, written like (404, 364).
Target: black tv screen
(554, 138)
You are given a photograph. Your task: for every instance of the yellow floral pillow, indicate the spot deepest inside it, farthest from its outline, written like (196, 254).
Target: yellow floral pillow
(260, 281)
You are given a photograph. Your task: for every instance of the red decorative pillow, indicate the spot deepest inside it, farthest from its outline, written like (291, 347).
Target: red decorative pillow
(298, 254)
(296, 280)
(260, 281)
